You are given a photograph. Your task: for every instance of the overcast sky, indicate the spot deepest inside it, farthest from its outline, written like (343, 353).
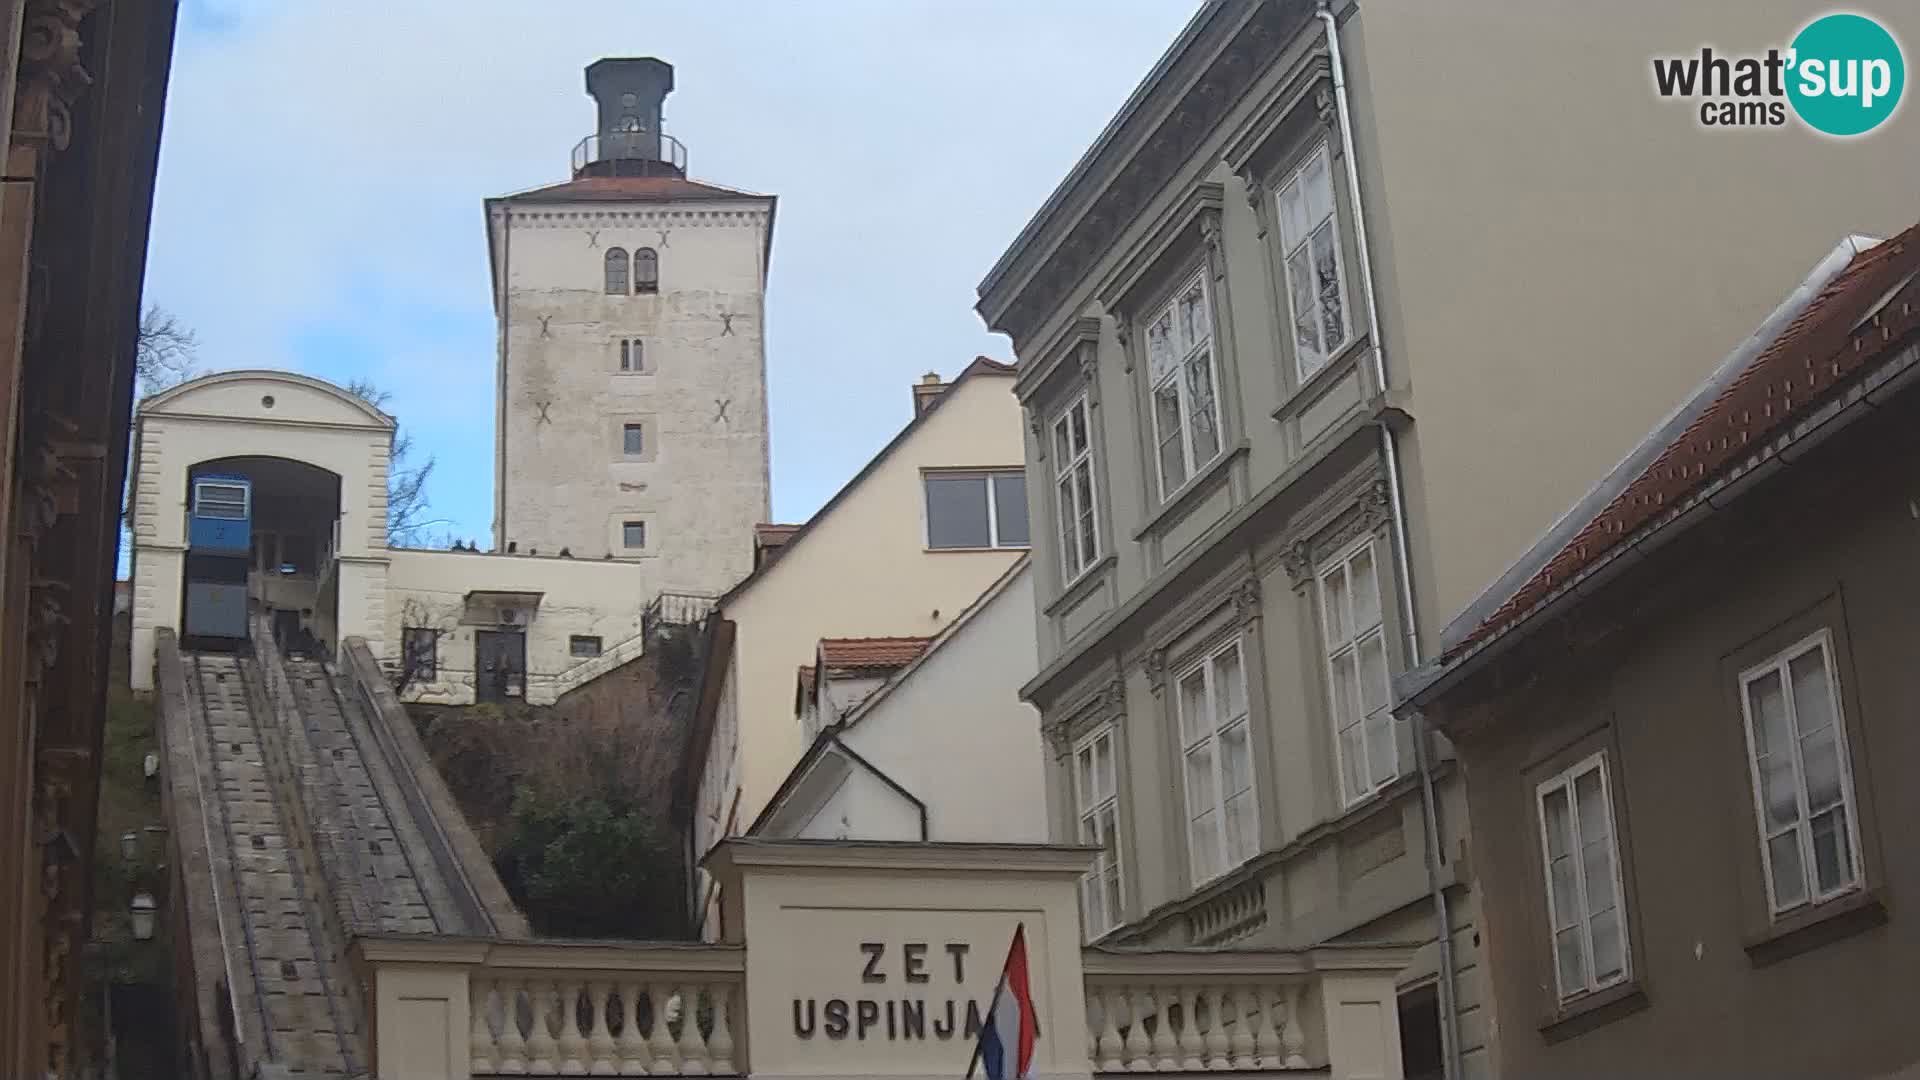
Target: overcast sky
(324, 162)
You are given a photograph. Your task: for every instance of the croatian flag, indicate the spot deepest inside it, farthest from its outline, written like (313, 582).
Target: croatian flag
(1006, 1039)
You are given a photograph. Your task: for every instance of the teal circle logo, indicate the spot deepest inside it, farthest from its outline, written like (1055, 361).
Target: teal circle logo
(1845, 74)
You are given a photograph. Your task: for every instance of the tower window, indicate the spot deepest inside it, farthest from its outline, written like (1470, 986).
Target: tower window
(633, 359)
(632, 440)
(616, 271)
(633, 535)
(646, 271)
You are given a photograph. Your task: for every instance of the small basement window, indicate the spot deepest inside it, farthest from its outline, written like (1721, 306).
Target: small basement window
(633, 534)
(584, 645)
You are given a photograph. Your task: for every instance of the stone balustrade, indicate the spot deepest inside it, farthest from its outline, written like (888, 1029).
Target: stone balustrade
(560, 1008)
(1197, 1010)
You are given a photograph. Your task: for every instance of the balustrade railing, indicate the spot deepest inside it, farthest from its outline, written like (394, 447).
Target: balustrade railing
(631, 1015)
(1178, 1012)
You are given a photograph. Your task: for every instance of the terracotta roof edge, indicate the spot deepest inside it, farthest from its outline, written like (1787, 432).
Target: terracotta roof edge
(1568, 525)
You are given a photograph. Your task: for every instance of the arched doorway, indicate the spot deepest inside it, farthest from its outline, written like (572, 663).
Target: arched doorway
(288, 566)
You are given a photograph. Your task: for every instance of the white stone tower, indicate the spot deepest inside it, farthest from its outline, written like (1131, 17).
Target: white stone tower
(632, 407)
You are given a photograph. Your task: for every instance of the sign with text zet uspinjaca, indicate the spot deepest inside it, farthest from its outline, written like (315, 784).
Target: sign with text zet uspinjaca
(909, 1003)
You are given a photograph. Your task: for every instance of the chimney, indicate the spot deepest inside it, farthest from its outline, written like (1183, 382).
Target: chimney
(627, 140)
(926, 392)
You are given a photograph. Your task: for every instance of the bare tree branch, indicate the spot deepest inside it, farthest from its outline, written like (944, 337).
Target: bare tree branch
(407, 522)
(164, 352)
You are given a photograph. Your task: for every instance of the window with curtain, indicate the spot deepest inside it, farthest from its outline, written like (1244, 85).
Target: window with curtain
(1357, 676)
(1802, 780)
(1217, 763)
(1585, 911)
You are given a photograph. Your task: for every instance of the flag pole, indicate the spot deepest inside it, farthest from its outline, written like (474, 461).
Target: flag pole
(999, 983)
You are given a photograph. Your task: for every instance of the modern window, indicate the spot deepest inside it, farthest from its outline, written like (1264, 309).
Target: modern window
(646, 271)
(212, 499)
(1802, 782)
(633, 535)
(616, 271)
(1097, 801)
(1584, 899)
(633, 440)
(977, 509)
(1310, 240)
(633, 355)
(1073, 487)
(583, 645)
(1217, 754)
(1180, 368)
(1357, 679)
(420, 651)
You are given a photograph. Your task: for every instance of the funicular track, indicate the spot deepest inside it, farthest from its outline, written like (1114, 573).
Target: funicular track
(306, 1024)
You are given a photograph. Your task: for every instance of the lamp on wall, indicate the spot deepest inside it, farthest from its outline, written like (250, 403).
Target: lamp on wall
(142, 913)
(129, 845)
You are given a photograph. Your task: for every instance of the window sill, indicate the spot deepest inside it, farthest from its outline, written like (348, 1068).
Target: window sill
(1336, 368)
(1589, 1011)
(1015, 549)
(1079, 587)
(1841, 917)
(1189, 493)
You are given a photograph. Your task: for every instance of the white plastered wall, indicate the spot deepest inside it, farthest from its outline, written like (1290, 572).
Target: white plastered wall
(589, 597)
(247, 414)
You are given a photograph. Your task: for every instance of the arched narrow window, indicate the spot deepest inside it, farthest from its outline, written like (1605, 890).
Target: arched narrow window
(616, 271)
(646, 271)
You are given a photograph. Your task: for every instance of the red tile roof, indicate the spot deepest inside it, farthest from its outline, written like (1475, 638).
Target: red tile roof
(871, 652)
(1824, 347)
(631, 188)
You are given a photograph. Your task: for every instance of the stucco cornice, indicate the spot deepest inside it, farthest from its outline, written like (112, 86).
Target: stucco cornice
(1043, 859)
(1112, 185)
(164, 402)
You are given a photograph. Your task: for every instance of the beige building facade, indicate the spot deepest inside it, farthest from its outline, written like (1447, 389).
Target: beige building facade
(873, 562)
(1329, 324)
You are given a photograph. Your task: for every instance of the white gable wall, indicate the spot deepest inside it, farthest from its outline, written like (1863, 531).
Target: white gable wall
(955, 733)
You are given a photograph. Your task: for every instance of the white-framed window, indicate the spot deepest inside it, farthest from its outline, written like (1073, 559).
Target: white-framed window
(1802, 780)
(219, 499)
(1217, 763)
(1586, 909)
(1073, 488)
(1310, 244)
(1181, 378)
(1096, 798)
(977, 509)
(633, 355)
(1358, 685)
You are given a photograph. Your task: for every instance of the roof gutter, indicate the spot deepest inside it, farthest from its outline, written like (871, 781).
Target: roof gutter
(1403, 563)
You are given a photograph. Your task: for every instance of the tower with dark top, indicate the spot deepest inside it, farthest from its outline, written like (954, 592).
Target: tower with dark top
(628, 140)
(631, 397)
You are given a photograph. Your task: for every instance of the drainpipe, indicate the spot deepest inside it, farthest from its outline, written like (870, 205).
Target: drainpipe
(1396, 497)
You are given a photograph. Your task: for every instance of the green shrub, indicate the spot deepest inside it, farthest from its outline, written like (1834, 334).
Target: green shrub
(591, 865)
